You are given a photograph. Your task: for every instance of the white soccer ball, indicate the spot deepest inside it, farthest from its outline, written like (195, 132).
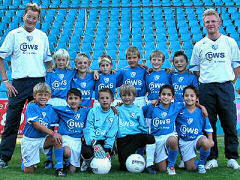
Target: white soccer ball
(135, 163)
(100, 166)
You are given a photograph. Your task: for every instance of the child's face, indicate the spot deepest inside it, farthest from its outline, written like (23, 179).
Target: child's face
(132, 60)
(73, 101)
(105, 100)
(190, 97)
(166, 97)
(82, 64)
(42, 98)
(156, 62)
(105, 67)
(180, 63)
(61, 62)
(128, 99)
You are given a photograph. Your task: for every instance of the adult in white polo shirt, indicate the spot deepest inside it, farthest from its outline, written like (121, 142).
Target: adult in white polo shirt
(215, 60)
(29, 51)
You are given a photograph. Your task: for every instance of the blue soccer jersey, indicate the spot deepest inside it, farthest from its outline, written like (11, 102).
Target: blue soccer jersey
(101, 125)
(190, 125)
(71, 123)
(134, 76)
(162, 119)
(154, 81)
(86, 86)
(106, 81)
(44, 115)
(59, 82)
(131, 121)
(180, 81)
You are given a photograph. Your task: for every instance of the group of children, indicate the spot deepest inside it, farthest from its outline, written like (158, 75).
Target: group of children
(170, 118)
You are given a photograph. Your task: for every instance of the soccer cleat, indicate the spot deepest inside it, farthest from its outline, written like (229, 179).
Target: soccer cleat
(171, 171)
(211, 164)
(48, 164)
(60, 173)
(181, 164)
(151, 170)
(85, 165)
(232, 163)
(201, 169)
(3, 164)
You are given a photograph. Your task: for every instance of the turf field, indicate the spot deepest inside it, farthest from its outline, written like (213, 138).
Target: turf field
(13, 172)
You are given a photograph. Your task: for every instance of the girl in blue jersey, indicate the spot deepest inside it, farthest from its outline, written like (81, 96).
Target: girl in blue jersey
(72, 120)
(158, 77)
(191, 126)
(83, 79)
(37, 133)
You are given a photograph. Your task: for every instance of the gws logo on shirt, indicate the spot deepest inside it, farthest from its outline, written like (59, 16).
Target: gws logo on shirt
(156, 121)
(56, 84)
(125, 123)
(190, 120)
(100, 132)
(61, 76)
(100, 86)
(133, 74)
(153, 85)
(71, 124)
(184, 130)
(24, 47)
(157, 77)
(106, 80)
(42, 122)
(180, 79)
(83, 84)
(133, 82)
(211, 55)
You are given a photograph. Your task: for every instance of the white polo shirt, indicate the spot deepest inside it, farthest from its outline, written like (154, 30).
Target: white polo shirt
(215, 59)
(28, 52)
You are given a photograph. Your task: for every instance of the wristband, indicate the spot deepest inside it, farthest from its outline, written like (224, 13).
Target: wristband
(53, 134)
(5, 80)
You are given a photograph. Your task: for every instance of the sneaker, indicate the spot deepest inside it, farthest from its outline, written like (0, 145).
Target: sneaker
(60, 173)
(3, 164)
(151, 170)
(85, 165)
(171, 171)
(232, 163)
(181, 164)
(211, 164)
(201, 169)
(48, 164)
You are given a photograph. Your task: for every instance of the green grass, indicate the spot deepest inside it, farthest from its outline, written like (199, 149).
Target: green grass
(13, 172)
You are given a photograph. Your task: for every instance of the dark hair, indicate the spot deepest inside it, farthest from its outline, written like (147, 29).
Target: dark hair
(180, 53)
(74, 91)
(106, 90)
(166, 86)
(192, 88)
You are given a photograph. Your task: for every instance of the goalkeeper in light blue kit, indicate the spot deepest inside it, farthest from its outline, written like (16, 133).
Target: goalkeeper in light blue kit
(191, 126)
(101, 130)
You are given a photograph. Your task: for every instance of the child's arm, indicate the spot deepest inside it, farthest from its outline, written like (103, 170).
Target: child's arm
(142, 123)
(89, 130)
(204, 110)
(111, 134)
(210, 139)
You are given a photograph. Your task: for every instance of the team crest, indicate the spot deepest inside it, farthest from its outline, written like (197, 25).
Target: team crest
(132, 115)
(83, 84)
(164, 114)
(61, 76)
(29, 38)
(110, 119)
(156, 77)
(180, 79)
(106, 80)
(190, 120)
(44, 114)
(77, 116)
(133, 74)
(214, 46)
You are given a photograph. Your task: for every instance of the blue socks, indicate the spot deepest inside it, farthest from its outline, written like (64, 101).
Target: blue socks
(203, 156)
(49, 154)
(172, 157)
(59, 158)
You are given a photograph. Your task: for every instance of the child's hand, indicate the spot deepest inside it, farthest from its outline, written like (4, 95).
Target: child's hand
(95, 75)
(57, 137)
(50, 70)
(115, 111)
(149, 70)
(204, 110)
(169, 70)
(112, 71)
(238, 91)
(119, 104)
(143, 66)
(154, 102)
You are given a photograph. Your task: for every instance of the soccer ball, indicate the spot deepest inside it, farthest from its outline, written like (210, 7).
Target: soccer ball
(100, 166)
(135, 163)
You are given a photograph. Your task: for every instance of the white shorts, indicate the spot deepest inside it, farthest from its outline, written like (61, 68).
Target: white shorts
(140, 101)
(161, 152)
(57, 102)
(30, 148)
(188, 149)
(75, 144)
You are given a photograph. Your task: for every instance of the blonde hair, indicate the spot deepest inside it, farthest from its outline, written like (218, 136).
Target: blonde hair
(41, 88)
(33, 7)
(128, 89)
(106, 58)
(158, 54)
(132, 50)
(61, 53)
(209, 12)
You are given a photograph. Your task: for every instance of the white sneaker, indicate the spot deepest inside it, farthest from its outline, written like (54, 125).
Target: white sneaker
(232, 163)
(181, 164)
(211, 164)
(201, 169)
(171, 171)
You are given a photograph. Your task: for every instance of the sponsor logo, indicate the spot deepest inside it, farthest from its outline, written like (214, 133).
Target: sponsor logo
(211, 55)
(24, 47)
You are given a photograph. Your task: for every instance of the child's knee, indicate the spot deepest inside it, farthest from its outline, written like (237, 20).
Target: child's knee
(67, 152)
(172, 142)
(29, 170)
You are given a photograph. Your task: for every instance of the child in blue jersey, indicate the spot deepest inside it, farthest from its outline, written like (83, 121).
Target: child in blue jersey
(163, 115)
(134, 75)
(83, 79)
(182, 77)
(132, 130)
(37, 133)
(106, 78)
(158, 77)
(72, 120)
(191, 126)
(101, 127)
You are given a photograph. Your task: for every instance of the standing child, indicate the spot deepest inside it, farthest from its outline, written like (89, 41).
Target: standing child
(83, 80)
(182, 77)
(132, 131)
(37, 135)
(72, 120)
(191, 125)
(101, 128)
(158, 77)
